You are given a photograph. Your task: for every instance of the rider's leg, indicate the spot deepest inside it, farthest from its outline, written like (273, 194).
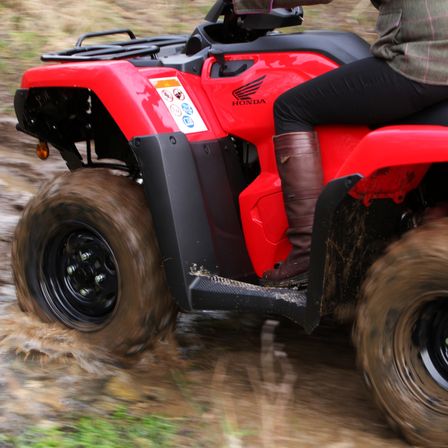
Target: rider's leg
(299, 166)
(365, 92)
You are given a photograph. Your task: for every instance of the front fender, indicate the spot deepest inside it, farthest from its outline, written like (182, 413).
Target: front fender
(127, 93)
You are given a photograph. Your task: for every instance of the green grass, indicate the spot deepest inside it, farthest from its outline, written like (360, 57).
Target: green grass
(117, 431)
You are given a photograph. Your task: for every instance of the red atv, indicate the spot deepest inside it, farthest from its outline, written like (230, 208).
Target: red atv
(173, 201)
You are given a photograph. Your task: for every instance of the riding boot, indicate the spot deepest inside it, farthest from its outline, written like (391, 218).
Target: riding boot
(299, 166)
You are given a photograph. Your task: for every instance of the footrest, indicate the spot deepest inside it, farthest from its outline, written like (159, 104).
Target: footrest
(211, 292)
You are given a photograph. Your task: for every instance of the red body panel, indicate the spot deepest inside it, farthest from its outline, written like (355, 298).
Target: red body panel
(138, 109)
(127, 94)
(394, 145)
(255, 122)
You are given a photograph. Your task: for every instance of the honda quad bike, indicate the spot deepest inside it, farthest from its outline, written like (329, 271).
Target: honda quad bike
(173, 201)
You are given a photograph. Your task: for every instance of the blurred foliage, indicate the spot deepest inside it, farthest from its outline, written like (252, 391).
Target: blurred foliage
(31, 27)
(118, 431)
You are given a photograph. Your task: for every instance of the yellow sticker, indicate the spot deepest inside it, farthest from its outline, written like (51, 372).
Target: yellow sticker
(165, 83)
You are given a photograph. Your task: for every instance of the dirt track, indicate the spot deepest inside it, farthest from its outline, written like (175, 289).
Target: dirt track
(210, 376)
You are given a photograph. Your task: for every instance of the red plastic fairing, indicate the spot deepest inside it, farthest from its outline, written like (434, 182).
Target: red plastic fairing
(262, 209)
(137, 107)
(377, 155)
(389, 183)
(252, 119)
(391, 146)
(336, 145)
(380, 155)
(343, 145)
(127, 94)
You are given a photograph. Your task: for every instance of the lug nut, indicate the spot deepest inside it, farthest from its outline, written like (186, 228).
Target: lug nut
(71, 269)
(446, 342)
(99, 278)
(84, 292)
(85, 255)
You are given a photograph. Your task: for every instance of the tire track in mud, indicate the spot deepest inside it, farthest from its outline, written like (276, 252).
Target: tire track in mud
(211, 375)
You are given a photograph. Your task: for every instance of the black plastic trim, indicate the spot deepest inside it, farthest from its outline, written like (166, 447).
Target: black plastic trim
(85, 36)
(277, 18)
(173, 191)
(131, 48)
(217, 11)
(229, 69)
(174, 195)
(329, 201)
(221, 179)
(19, 106)
(68, 151)
(187, 64)
(146, 62)
(341, 47)
(216, 293)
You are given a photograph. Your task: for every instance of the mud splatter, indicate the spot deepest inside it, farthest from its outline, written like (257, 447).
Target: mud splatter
(29, 337)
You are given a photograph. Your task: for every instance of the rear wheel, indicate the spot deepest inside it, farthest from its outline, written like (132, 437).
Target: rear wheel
(85, 255)
(402, 334)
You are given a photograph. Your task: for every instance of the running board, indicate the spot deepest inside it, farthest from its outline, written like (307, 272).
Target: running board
(212, 293)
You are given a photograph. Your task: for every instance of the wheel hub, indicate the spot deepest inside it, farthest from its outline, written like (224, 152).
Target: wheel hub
(79, 276)
(433, 341)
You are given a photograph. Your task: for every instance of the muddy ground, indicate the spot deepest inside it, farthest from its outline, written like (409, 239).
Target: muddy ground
(209, 378)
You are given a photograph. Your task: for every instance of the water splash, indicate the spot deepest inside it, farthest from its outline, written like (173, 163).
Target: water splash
(24, 335)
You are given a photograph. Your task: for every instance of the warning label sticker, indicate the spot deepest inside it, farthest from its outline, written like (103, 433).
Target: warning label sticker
(179, 104)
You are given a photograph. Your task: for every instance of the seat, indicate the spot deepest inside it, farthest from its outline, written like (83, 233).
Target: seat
(341, 47)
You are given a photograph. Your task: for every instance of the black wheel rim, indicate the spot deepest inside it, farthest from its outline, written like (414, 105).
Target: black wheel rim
(79, 276)
(432, 340)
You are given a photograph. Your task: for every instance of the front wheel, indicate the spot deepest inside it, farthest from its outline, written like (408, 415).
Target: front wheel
(85, 255)
(402, 334)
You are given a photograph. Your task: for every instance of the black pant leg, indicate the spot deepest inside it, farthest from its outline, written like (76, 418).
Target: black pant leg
(364, 92)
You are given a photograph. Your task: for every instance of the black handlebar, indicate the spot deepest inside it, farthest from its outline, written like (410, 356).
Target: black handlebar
(218, 9)
(277, 18)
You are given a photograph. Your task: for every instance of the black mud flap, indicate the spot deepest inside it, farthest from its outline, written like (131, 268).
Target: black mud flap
(327, 207)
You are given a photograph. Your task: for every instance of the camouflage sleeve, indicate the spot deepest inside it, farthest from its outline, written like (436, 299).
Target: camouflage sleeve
(260, 6)
(252, 6)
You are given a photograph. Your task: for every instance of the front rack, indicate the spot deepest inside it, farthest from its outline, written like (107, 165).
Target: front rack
(115, 50)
